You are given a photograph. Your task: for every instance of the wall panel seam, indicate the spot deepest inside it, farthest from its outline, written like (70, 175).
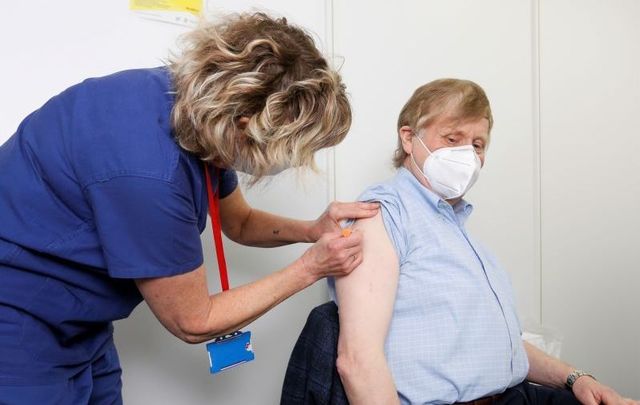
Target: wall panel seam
(537, 148)
(330, 54)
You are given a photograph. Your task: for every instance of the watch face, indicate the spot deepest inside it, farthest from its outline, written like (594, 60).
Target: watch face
(571, 379)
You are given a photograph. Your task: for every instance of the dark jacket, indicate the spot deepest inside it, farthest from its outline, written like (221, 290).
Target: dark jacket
(312, 376)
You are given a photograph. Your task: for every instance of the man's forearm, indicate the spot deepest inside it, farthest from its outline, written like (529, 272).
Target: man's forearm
(545, 369)
(367, 379)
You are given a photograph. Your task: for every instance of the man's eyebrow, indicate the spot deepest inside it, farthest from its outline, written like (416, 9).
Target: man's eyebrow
(451, 131)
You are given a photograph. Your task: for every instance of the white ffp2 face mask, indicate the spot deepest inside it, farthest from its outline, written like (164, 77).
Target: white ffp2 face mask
(450, 171)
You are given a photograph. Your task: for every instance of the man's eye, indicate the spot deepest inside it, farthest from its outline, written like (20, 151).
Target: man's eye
(451, 140)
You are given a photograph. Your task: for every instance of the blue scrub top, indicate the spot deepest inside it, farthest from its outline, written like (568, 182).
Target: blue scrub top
(94, 192)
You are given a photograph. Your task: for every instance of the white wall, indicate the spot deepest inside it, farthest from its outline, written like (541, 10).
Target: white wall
(556, 201)
(590, 101)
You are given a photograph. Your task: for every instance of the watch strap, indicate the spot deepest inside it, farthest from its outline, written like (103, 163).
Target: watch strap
(574, 375)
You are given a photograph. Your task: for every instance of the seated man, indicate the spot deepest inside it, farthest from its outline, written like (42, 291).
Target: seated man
(429, 317)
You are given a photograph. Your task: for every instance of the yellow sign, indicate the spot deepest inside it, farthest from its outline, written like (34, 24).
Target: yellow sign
(189, 6)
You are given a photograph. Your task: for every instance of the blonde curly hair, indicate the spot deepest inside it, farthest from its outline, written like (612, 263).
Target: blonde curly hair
(271, 74)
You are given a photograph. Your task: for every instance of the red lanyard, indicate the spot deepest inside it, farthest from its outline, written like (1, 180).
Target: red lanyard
(214, 213)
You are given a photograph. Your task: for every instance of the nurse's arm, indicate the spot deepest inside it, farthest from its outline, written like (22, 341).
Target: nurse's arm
(366, 298)
(252, 227)
(183, 305)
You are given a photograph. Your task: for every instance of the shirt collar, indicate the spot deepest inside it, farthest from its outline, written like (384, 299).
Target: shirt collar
(462, 209)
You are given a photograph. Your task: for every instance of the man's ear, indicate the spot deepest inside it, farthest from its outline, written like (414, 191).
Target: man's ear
(406, 134)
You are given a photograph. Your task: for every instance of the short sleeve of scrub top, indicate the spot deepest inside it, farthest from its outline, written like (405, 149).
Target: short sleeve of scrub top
(148, 227)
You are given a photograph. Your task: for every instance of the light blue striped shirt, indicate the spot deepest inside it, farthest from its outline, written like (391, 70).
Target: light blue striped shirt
(454, 335)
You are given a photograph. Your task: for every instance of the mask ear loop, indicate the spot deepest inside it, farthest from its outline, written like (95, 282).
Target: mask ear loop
(420, 140)
(415, 135)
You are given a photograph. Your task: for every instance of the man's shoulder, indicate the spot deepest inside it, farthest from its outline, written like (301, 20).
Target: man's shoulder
(387, 191)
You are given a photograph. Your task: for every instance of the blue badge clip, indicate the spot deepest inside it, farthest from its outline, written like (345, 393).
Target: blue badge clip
(229, 351)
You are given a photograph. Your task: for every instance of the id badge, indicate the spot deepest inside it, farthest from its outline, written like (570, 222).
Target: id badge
(229, 351)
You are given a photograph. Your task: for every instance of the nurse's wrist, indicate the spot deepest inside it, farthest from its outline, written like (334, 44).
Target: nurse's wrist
(310, 231)
(302, 273)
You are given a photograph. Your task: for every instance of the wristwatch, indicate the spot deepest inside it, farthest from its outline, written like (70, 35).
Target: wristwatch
(573, 376)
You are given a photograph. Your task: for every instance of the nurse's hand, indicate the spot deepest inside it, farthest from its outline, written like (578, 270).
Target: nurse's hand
(333, 255)
(330, 219)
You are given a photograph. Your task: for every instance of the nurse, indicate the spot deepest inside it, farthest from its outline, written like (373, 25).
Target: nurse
(103, 199)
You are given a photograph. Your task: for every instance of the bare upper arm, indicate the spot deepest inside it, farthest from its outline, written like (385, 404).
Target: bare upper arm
(180, 302)
(234, 212)
(367, 295)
